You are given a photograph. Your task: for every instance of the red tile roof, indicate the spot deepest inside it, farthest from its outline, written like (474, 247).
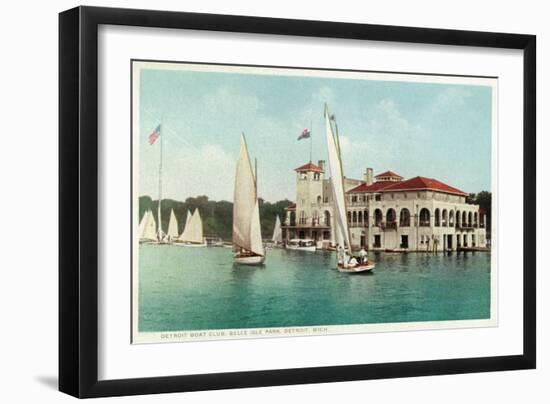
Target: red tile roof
(423, 183)
(413, 184)
(374, 187)
(388, 174)
(291, 207)
(309, 167)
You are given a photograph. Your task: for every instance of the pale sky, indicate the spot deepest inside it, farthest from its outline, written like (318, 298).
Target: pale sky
(440, 131)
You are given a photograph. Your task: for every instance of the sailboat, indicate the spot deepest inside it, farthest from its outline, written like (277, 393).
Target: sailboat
(346, 262)
(247, 236)
(192, 235)
(147, 228)
(172, 233)
(277, 237)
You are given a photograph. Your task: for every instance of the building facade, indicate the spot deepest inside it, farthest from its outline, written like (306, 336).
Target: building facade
(386, 212)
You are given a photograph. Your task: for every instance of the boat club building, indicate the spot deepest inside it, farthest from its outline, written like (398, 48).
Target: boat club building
(386, 212)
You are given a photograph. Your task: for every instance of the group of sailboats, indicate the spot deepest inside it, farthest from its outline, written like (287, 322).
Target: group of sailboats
(192, 235)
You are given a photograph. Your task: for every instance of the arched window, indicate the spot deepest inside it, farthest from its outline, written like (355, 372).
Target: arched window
(319, 199)
(457, 222)
(436, 217)
(349, 216)
(377, 217)
(354, 214)
(390, 216)
(451, 218)
(475, 219)
(360, 217)
(424, 217)
(464, 221)
(444, 218)
(315, 218)
(327, 218)
(366, 217)
(302, 217)
(404, 218)
(469, 219)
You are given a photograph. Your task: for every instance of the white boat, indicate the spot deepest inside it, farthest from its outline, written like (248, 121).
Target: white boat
(247, 235)
(147, 230)
(214, 242)
(302, 244)
(345, 262)
(192, 235)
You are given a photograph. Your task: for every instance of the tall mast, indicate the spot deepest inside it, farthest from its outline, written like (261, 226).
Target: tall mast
(342, 175)
(160, 185)
(256, 177)
(310, 139)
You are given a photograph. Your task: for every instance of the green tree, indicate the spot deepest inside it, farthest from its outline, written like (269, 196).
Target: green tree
(217, 216)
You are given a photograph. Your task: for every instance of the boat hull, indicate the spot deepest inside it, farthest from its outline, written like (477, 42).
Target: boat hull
(310, 249)
(190, 245)
(356, 269)
(249, 260)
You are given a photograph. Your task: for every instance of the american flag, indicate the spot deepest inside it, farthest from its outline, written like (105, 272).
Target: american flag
(305, 134)
(154, 135)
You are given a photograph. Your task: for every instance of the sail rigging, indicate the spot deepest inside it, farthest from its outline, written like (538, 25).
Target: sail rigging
(246, 213)
(342, 234)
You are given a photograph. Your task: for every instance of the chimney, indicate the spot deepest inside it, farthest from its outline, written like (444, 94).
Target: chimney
(368, 176)
(321, 164)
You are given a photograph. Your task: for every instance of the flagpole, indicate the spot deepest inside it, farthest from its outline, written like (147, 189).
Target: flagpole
(160, 186)
(310, 140)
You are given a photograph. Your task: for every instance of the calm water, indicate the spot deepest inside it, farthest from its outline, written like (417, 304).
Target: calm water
(200, 289)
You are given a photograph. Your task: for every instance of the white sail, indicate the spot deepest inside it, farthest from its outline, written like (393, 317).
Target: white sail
(150, 227)
(142, 225)
(172, 226)
(277, 232)
(193, 232)
(183, 235)
(337, 181)
(256, 245)
(244, 200)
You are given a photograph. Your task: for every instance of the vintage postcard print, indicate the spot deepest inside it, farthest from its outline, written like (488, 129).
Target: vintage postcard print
(273, 202)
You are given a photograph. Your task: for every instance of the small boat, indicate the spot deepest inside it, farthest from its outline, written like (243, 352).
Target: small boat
(346, 262)
(214, 242)
(147, 228)
(192, 235)
(302, 244)
(247, 235)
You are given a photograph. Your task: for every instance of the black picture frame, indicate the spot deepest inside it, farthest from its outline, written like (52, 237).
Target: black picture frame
(78, 200)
